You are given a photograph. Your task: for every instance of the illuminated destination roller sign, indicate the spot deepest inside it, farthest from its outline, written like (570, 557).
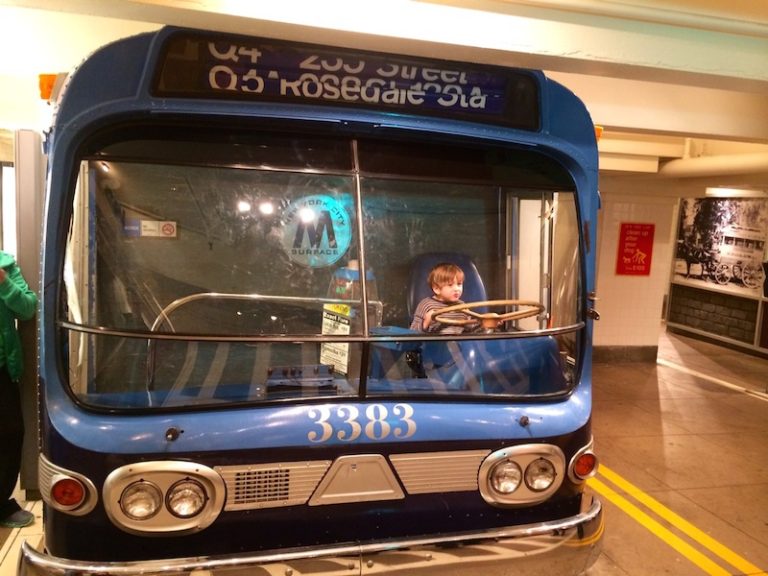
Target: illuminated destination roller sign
(231, 67)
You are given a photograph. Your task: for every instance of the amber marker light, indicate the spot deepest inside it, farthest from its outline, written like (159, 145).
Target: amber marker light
(598, 132)
(69, 493)
(585, 466)
(46, 83)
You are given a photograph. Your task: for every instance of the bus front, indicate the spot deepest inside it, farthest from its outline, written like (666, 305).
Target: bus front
(231, 377)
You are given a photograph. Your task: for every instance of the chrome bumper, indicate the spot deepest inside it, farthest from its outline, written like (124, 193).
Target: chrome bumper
(563, 547)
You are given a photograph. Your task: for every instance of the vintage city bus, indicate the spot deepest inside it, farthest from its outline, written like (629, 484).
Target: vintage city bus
(238, 232)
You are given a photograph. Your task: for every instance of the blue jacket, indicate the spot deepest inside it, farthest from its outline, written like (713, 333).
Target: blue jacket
(17, 302)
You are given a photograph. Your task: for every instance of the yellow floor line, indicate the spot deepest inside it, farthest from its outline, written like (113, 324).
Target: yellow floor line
(681, 523)
(658, 530)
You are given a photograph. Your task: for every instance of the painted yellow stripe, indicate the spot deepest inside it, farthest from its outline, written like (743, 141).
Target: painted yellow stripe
(588, 541)
(657, 529)
(681, 523)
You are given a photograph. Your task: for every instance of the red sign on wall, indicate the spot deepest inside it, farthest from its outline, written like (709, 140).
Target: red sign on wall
(635, 249)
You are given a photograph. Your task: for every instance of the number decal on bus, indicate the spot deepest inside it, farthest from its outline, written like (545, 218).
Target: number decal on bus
(404, 412)
(378, 424)
(351, 421)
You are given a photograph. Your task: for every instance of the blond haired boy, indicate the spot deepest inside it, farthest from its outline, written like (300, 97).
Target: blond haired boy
(447, 282)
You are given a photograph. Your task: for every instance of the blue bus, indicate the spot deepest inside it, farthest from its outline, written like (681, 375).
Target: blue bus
(239, 232)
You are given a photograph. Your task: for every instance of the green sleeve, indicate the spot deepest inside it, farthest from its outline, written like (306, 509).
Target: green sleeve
(16, 295)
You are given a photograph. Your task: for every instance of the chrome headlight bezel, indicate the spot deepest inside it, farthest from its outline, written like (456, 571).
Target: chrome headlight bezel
(526, 457)
(166, 477)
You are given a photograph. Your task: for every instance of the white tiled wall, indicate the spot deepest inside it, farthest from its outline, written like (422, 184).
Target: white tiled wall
(631, 307)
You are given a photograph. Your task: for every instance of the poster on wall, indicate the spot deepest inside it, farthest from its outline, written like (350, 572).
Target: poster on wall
(635, 249)
(721, 243)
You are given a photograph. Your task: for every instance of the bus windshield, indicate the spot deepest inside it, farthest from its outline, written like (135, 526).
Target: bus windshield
(223, 265)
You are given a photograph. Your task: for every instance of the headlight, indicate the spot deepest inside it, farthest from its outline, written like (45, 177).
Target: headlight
(505, 477)
(540, 475)
(141, 500)
(186, 498)
(521, 475)
(163, 497)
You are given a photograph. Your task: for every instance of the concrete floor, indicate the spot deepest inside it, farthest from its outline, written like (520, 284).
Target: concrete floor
(683, 446)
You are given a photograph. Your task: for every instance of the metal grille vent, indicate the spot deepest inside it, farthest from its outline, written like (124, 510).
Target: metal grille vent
(45, 472)
(271, 485)
(430, 472)
(262, 485)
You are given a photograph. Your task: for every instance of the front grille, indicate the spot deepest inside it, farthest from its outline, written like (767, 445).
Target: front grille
(271, 485)
(263, 485)
(430, 472)
(250, 487)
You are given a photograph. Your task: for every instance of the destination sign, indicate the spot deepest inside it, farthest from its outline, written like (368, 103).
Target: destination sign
(195, 65)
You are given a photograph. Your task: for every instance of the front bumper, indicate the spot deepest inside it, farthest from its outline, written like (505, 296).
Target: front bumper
(562, 547)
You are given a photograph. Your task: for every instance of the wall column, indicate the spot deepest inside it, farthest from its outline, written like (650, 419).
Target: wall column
(30, 191)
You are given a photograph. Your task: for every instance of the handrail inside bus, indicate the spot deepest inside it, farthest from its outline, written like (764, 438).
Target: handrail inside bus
(402, 336)
(162, 317)
(378, 306)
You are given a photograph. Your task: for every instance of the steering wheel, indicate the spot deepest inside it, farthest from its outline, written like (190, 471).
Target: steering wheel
(489, 320)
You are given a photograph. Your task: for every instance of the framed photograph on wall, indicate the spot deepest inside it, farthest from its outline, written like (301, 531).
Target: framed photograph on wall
(721, 242)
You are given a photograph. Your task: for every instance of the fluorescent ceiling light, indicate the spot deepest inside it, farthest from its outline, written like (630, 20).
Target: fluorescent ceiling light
(736, 193)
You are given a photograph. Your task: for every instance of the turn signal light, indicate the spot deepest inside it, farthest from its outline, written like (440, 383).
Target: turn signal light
(68, 492)
(585, 466)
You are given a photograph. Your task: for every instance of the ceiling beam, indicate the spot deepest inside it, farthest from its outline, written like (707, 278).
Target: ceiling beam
(490, 31)
(656, 107)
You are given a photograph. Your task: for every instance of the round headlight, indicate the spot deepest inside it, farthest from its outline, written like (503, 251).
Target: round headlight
(505, 477)
(540, 474)
(141, 500)
(186, 498)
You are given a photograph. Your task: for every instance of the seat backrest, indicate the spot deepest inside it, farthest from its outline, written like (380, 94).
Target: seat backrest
(418, 288)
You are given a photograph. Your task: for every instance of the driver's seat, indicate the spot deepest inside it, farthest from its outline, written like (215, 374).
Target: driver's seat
(428, 355)
(418, 288)
(478, 366)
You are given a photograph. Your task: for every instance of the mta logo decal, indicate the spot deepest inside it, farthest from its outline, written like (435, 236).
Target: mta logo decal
(318, 231)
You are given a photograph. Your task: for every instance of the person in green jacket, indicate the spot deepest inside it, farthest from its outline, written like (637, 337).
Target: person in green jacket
(17, 302)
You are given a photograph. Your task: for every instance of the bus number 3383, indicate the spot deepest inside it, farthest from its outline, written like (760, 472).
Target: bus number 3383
(347, 424)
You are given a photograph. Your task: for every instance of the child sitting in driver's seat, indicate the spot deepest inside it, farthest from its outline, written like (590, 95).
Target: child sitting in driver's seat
(447, 283)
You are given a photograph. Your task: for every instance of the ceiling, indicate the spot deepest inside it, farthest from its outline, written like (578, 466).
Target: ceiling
(672, 81)
(711, 13)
